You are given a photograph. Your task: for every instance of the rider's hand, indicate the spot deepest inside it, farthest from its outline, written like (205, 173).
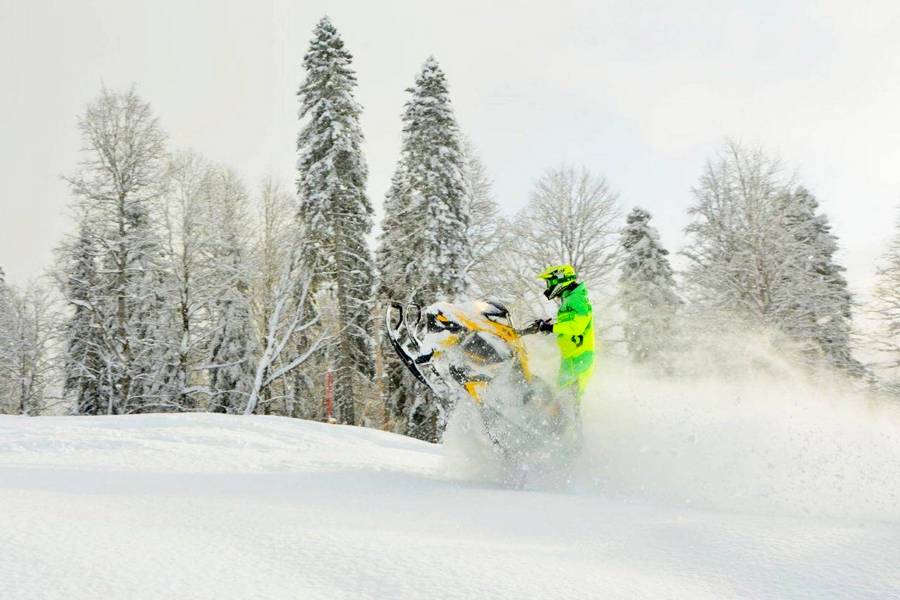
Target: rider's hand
(538, 325)
(532, 327)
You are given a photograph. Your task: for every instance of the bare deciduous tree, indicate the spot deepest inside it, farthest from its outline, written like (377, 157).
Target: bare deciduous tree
(276, 210)
(289, 316)
(27, 334)
(118, 188)
(186, 237)
(737, 257)
(571, 218)
(762, 256)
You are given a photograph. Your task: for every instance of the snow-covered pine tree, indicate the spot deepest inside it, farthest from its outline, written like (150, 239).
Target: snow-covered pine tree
(647, 290)
(335, 212)
(886, 311)
(395, 257)
(83, 362)
(814, 304)
(117, 188)
(233, 342)
(433, 160)
(424, 250)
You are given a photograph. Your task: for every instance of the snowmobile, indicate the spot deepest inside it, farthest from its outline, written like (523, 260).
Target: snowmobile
(472, 352)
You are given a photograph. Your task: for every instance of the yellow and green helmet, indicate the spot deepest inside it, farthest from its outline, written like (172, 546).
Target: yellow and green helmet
(557, 278)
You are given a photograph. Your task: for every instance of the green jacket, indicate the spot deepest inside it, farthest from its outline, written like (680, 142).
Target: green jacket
(574, 329)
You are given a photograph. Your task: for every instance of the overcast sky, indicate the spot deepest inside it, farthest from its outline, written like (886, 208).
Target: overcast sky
(642, 92)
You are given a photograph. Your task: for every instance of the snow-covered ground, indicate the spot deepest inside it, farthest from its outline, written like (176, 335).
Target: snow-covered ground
(215, 506)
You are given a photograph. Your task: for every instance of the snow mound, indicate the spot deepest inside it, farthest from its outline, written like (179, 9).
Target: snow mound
(222, 507)
(206, 443)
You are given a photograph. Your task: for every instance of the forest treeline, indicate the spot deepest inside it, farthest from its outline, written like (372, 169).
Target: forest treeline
(181, 288)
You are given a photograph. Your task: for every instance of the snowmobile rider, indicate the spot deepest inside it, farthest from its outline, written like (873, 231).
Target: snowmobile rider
(574, 328)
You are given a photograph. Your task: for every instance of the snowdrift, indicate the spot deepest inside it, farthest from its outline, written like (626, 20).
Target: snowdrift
(214, 506)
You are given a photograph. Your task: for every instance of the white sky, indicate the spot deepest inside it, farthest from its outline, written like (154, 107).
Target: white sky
(642, 92)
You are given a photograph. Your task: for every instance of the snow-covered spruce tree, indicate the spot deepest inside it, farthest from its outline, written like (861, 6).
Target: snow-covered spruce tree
(886, 310)
(814, 304)
(83, 362)
(335, 212)
(423, 249)
(395, 259)
(761, 257)
(233, 341)
(433, 160)
(118, 188)
(646, 291)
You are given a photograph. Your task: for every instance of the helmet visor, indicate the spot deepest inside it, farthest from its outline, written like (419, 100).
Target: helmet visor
(554, 288)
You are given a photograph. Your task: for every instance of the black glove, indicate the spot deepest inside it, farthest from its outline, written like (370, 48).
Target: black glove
(538, 325)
